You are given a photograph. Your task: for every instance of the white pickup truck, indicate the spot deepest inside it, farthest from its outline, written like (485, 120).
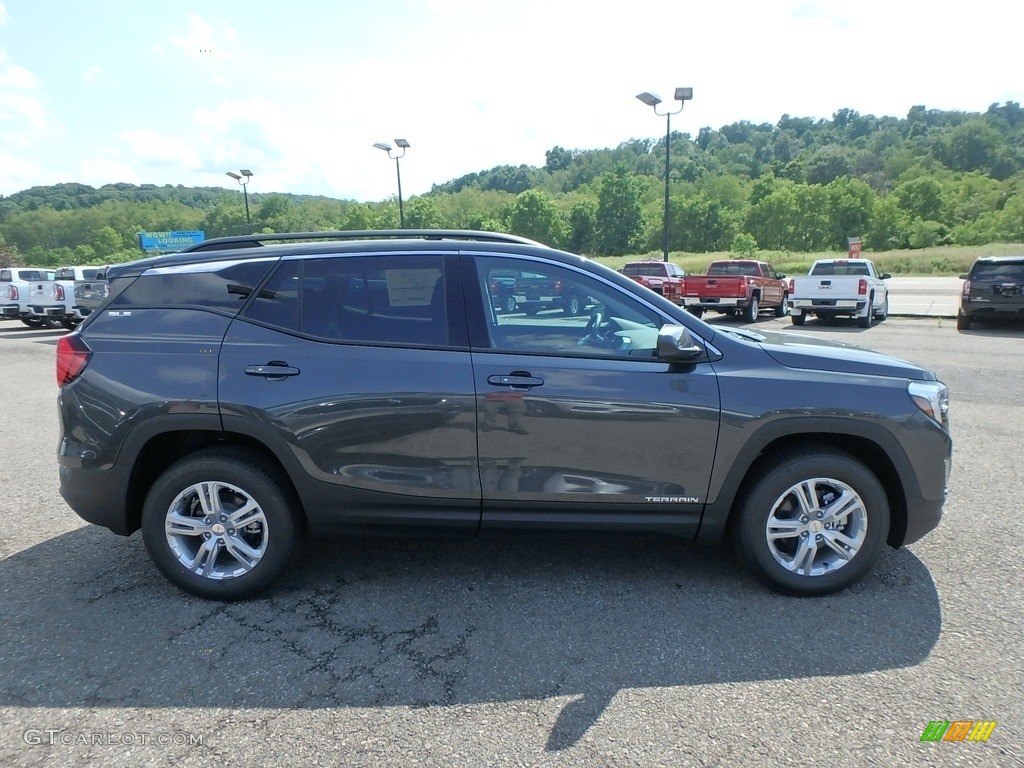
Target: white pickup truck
(52, 301)
(838, 287)
(18, 286)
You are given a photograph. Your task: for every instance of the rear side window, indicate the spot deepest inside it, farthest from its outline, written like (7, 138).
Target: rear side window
(377, 299)
(222, 286)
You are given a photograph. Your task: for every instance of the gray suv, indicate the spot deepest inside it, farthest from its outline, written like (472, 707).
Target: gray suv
(230, 398)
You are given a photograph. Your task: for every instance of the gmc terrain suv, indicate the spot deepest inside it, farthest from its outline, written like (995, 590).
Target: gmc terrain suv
(231, 397)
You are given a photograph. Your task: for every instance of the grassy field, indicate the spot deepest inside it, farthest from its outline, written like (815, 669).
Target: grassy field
(944, 260)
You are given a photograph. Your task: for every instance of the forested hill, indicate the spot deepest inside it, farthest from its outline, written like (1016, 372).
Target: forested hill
(802, 184)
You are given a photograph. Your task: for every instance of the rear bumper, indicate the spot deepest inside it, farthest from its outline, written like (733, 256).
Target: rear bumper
(10, 310)
(40, 311)
(705, 302)
(98, 496)
(979, 310)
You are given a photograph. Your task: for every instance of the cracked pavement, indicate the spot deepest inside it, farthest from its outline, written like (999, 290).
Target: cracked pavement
(534, 649)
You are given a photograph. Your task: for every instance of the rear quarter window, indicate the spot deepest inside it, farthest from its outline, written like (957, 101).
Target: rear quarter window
(223, 287)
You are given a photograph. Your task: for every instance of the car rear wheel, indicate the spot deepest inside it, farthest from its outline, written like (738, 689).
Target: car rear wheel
(963, 322)
(220, 524)
(33, 322)
(696, 311)
(574, 306)
(869, 316)
(510, 304)
(812, 522)
(798, 319)
(750, 313)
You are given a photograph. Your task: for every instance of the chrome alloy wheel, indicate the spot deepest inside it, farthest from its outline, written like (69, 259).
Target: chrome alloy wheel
(216, 530)
(816, 527)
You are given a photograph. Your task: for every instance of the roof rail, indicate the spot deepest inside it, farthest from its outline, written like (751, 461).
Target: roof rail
(258, 240)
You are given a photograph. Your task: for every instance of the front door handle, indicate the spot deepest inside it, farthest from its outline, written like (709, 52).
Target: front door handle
(274, 370)
(515, 380)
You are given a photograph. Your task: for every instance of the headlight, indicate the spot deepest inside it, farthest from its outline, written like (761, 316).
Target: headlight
(932, 397)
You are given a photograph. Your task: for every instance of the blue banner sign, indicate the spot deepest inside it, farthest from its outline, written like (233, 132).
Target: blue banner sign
(166, 242)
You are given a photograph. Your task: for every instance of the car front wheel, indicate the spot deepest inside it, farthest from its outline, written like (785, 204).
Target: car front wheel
(220, 524)
(812, 522)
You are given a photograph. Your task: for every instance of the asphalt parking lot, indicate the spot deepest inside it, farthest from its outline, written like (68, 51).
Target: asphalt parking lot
(534, 650)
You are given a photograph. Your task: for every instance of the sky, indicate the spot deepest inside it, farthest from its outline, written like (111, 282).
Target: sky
(170, 92)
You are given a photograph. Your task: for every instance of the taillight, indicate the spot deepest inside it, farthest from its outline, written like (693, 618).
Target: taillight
(58, 292)
(862, 287)
(72, 356)
(967, 289)
(12, 291)
(792, 286)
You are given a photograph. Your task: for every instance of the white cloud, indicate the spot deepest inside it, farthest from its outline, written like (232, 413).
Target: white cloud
(16, 174)
(3, 15)
(203, 40)
(97, 171)
(152, 148)
(92, 73)
(24, 118)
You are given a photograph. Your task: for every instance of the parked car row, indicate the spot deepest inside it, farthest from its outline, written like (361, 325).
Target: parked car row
(516, 291)
(46, 298)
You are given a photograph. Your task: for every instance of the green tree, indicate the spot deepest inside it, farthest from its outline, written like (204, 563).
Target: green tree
(618, 212)
(744, 245)
(534, 215)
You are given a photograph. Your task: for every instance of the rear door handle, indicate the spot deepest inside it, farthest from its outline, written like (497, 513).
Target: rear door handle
(274, 370)
(515, 380)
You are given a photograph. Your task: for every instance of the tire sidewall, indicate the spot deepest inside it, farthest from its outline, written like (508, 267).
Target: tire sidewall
(750, 536)
(254, 480)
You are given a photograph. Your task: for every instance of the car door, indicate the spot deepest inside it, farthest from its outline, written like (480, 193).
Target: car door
(578, 422)
(359, 367)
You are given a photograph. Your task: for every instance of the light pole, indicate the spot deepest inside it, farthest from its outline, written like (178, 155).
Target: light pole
(682, 95)
(403, 145)
(243, 179)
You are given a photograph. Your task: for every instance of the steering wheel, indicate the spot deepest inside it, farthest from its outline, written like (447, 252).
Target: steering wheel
(592, 333)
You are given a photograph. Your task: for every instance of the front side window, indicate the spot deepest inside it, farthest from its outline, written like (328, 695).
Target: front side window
(385, 299)
(560, 311)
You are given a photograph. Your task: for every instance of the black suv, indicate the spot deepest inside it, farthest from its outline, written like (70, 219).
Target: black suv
(229, 398)
(994, 288)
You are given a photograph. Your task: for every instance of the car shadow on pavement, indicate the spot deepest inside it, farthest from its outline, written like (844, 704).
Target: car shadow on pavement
(88, 622)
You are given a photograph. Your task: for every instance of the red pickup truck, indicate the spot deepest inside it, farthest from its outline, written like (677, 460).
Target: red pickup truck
(736, 286)
(662, 277)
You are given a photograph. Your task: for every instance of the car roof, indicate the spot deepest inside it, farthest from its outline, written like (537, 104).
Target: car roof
(278, 245)
(1000, 260)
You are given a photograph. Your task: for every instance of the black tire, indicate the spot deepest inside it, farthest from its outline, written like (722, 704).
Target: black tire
(798, 319)
(70, 323)
(796, 564)
(573, 306)
(868, 320)
(782, 309)
(274, 520)
(696, 311)
(531, 309)
(33, 322)
(510, 304)
(963, 322)
(751, 310)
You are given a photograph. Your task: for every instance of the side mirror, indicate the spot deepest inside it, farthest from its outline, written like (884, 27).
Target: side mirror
(964, 276)
(676, 343)
(780, 275)
(885, 275)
